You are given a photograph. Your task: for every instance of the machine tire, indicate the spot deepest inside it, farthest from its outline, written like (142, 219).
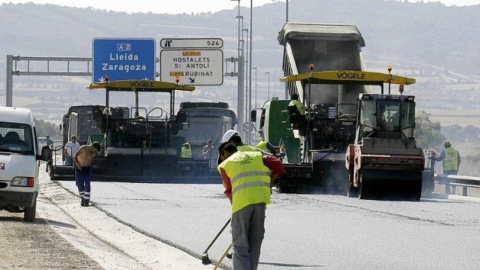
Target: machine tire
(415, 191)
(29, 214)
(351, 190)
(52, 175)
(282, 188)
(365, 188)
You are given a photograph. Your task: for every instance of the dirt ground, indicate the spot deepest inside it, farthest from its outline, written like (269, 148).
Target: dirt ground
(37, 246)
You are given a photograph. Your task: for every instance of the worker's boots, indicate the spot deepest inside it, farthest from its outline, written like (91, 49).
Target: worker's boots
(85, 202)
(230, 254)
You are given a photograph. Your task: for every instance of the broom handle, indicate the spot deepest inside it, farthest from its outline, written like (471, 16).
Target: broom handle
(223, 257)
(215, 239)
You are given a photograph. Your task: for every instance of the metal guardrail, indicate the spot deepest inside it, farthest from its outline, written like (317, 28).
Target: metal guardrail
(458, 180)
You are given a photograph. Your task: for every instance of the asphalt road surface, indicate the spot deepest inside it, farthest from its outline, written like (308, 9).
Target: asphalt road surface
(307, 231)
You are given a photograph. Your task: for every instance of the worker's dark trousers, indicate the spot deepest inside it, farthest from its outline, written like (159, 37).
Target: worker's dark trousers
(82, 179)
(451, 172)
(248, 229)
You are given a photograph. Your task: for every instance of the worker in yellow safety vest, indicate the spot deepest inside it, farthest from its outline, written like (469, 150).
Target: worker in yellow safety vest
(186, 149)
(268, 147)
(451, 160)
(297, 103)
(247, 178)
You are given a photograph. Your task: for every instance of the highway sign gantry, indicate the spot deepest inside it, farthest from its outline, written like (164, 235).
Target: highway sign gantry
(123, 59)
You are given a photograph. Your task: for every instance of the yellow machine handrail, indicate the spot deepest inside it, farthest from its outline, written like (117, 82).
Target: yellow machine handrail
(140, 85)
(348, 77)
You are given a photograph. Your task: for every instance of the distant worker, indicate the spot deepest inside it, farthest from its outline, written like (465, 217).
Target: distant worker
(267, 147)
(451, 160)
(247, 178)
(209, 153)
(83, 159)
(186, 149)
(70, 148)
(295, 102)
(382, 122)
(207, 149)
(49, 142)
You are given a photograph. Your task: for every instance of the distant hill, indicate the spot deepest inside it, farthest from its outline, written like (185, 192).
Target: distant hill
(434, 43)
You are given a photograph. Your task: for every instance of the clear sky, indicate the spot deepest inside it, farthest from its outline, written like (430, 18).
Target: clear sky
(185, 6)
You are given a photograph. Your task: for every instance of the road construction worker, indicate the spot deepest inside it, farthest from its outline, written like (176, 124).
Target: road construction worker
(232, 136)
(49, 142)
(83, 160)
(186, 149)
(450, 158)
(70, 148)
(237, 141)
(382, 122)
(247, 178)
(267, 147)
(209, 153)
(295, 102)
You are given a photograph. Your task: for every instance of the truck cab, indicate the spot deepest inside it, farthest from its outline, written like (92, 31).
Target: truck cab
(19, 162)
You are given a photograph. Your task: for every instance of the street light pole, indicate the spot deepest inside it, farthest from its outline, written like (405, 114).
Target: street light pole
(287, 13)
(268, 85)
(250, 63)
(246, 94)
(255, 87)
(241, 71)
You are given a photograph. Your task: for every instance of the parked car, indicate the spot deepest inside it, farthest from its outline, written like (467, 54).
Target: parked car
(19, 162)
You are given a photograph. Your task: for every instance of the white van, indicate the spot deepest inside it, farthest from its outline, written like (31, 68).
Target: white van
(19, 162)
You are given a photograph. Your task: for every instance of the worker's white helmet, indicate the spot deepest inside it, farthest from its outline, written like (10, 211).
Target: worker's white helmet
(226, 137)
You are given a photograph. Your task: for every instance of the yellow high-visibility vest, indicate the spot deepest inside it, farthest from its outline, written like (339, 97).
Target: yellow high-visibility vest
(262, 145)
(250, 179)
(186, 150)
(298, 104)
(246, 148)
(450, 163)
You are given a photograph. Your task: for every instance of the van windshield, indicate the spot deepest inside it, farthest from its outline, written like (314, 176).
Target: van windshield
(17, 138)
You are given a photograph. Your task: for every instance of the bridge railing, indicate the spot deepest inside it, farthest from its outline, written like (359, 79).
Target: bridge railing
(458, 180)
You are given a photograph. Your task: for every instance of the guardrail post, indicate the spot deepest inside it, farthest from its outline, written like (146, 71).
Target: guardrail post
(465, 191)
(447, 186)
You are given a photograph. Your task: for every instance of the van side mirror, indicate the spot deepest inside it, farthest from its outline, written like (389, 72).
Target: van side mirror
(46, 153)
(253, 116)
